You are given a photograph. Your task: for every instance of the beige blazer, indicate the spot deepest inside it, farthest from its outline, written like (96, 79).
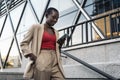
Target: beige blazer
(32, 44)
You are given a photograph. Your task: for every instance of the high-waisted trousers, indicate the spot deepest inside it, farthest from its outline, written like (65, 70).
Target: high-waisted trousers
(46, 66)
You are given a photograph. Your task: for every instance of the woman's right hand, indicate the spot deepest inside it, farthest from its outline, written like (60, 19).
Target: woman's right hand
(31, 56)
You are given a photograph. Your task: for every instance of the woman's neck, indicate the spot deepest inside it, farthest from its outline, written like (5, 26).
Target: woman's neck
(48, 28)
(47, 25)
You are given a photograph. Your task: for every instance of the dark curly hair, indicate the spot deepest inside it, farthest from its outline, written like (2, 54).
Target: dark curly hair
(49, 11)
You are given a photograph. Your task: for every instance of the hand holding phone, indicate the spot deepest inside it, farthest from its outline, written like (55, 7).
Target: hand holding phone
(62, 39)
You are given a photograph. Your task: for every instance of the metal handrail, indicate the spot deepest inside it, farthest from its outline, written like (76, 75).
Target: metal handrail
(68, 30)
(110, 77)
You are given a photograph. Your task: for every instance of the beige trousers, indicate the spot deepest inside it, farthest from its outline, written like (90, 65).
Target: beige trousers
(47, 66)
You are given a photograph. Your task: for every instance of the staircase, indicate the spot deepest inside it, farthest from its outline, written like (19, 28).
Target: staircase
(86, 71)
(11, 76)
(18, 76)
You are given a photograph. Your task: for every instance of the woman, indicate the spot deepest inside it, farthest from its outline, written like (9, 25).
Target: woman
(40, 45)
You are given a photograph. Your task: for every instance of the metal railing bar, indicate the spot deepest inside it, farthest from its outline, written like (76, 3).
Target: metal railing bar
(118, 22)
(91, 32)
(86, 27)
(75, 21)
(82, 32)
(111, 34)
(105, 28)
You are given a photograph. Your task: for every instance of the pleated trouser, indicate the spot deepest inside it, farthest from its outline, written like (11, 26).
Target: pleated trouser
(46, 66)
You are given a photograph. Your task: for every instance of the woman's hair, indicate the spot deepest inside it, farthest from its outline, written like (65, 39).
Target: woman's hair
(49, 11)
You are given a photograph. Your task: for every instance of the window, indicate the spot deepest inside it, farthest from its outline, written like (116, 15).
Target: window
(101, 6)
(115, 24)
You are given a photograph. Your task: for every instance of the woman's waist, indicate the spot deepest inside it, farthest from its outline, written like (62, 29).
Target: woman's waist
(47, 50)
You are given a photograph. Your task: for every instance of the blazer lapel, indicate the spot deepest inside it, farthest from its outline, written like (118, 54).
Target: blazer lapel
(57, 50)
(40, 35)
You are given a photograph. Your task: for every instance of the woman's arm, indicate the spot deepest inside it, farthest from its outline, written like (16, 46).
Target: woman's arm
(25, 44)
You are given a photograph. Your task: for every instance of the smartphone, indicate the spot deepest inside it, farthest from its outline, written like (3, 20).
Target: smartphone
(62, 38)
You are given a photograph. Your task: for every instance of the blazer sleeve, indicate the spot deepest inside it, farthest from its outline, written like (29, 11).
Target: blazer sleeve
(25, 44)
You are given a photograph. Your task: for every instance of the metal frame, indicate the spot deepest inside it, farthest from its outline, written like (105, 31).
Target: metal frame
(76, 19)
(81, 24)
(33, 10)
(3, 25)
(14, 34)
(44, 11)
(79, 12)
(35, 14)
(1, 62)
(99, 32)
(7, 10)
(14, 4)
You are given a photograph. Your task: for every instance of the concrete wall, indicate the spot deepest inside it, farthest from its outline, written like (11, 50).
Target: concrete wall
(106, 57)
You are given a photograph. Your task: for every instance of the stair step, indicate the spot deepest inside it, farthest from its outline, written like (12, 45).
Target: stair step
(11, 76)
(86, 79)
(19, 76)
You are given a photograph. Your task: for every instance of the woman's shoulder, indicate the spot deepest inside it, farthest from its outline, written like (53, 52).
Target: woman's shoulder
(36, 26)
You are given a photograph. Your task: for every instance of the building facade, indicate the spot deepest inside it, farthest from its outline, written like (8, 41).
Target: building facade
(89, 23)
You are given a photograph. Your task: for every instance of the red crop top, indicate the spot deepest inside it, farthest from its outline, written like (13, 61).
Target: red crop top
(48, 41)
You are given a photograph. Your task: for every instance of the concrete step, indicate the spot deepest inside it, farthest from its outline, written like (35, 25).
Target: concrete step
(19, 76)
(11, 76)
(85, 79)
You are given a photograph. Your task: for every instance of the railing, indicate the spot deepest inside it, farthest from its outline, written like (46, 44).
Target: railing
(108, 24)
(109, 77)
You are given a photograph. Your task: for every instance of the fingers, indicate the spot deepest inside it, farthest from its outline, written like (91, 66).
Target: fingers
(62, 42)
(33, 57)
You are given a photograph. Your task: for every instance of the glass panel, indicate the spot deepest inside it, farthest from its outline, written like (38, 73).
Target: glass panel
(1, 22)
(5, 40)
(77, 35)
(65, 21)
(39, 9)
(89, 2)
(62, 5)
(27, 20)
(20, 36)
(15, 15)
(115, 26)
(7, 32)
(80, 1)
(4, 47)
(89, 9)
(67, 12)
(13, 59)
(82, 18)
